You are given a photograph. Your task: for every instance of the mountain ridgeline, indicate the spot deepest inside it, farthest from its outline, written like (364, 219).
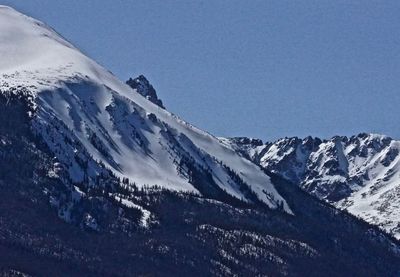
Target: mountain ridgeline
(360, 174)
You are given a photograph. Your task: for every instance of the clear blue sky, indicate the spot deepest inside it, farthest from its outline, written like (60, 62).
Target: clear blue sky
(264, 69)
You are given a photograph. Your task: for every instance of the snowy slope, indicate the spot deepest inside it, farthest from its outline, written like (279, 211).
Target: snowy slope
(360, 174)
(91, 120)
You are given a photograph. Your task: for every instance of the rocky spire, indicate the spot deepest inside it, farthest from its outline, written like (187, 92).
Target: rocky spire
(143, 86)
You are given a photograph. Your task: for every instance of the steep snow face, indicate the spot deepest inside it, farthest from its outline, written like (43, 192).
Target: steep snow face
(91, 121)
(360, 174)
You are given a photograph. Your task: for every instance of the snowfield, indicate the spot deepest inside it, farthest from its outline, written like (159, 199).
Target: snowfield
(90, 119)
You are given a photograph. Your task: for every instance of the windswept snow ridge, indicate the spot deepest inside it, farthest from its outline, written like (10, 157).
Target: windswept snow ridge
(91, 120)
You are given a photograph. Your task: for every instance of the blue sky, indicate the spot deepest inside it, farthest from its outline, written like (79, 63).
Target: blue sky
(264, 69)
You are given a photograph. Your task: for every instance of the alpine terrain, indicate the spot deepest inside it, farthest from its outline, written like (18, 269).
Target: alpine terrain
(360, 174)
(98, 178)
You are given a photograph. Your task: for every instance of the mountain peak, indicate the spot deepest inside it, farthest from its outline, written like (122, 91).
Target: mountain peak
(93, 123)
(143, 87)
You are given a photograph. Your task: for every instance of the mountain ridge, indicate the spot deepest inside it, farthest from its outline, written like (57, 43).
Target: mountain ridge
(358, 173)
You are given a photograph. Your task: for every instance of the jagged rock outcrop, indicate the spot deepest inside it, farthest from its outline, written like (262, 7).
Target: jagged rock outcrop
(143, 87)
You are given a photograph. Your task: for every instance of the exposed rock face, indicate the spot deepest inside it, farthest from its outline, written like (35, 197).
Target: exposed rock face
(143, 87)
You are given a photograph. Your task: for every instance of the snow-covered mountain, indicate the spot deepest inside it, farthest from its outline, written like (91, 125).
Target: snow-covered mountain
(360, 173)
(137, 186)
(92, 122)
